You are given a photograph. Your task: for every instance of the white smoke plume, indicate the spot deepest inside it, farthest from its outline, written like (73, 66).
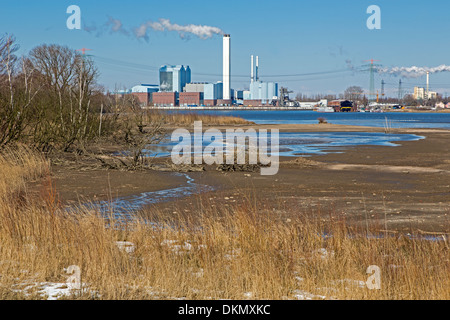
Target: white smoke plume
(413, 72)
(116, 26)
(201, 31)
(141, 32)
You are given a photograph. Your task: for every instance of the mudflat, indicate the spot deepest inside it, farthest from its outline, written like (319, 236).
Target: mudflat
(400, 189)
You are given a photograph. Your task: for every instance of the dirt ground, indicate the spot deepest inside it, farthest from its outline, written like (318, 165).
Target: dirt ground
(401, 189)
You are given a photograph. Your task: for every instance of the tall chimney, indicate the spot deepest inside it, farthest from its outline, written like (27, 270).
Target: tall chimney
(226, 67)
(257, 68)
(428, 84)
(253, 68)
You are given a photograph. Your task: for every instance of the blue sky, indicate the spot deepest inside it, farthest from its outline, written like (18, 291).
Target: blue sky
(290, 37)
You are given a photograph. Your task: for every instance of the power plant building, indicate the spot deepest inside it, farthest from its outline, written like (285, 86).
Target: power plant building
(190, 99)
(174, 78)
(144, 93)
(195, 87)
(213, 93)
(165, 99)
(264, 91)
(260, 92)
(423, 94)
(176, 88)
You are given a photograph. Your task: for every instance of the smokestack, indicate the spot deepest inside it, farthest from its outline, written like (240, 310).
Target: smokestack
(257, 68)
(226, 67)
(253, 68)
(428, 82)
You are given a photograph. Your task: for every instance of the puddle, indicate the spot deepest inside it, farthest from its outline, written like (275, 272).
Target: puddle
(295, 144)
(124, 208)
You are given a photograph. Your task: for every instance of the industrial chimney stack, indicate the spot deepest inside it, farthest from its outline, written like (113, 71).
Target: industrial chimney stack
(253, 68)
(257, 68)
(227, 69)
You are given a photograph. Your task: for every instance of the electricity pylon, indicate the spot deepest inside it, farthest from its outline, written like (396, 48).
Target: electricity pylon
(372, 94)
(400, 93)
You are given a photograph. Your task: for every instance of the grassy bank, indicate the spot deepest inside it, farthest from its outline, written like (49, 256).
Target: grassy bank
(187, 119)
(240, 252)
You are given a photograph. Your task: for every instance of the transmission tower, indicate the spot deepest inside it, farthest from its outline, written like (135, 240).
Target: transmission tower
(382, 88)
(400, 96)
(83, 53)
(372, 94)
(83, 50)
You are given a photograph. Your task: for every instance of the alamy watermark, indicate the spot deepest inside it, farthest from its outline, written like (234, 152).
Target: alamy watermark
(374, 21)
(235, 146)
(374, 280)
(74, 20)
(74, 281)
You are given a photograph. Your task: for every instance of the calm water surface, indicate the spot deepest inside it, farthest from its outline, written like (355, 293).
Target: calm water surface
(396, 119)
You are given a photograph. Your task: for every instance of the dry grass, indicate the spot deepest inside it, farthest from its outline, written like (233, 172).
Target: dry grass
(19, 164)
(187, 119)
(241, 252)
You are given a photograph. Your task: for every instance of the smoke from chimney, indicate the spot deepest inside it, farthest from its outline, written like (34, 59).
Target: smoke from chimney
(141, 32)
(201, 31)
(413, 72)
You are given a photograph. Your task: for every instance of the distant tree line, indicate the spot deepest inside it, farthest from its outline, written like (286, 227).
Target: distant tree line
(357, 94)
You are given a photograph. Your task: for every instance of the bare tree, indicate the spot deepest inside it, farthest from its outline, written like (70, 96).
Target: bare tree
(18, 89)
(353, 93)
(69, 79)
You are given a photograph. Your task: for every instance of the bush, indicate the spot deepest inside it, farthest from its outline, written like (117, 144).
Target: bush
(322, 120)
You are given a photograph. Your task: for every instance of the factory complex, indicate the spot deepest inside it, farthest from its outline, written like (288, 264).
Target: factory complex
(175, 88)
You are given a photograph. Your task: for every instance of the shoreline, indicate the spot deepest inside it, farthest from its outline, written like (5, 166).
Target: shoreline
(268, 108)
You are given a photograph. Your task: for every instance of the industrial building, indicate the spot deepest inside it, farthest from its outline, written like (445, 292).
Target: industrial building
(213, 92)
(176, 88)
(419, 93)
(422, 94)
(260, 93)
(173, 82)
(425, 93)
(195, 87)
(174, 78)
(165, 99)
(265, 92)
(144, 93)
(191, 99)
(220, 93)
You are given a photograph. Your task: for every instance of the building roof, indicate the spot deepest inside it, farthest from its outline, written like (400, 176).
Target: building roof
(145, 88)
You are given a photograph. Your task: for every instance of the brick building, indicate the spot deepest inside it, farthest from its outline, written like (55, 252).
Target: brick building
(191, 98)
(257, 103)
(167, 99)
(210, 102)
(143, 97)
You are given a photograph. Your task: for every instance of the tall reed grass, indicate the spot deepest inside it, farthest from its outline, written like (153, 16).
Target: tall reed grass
(187, 119)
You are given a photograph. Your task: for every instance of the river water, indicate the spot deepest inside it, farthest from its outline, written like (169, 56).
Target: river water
(294, 144)
(395, 119)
